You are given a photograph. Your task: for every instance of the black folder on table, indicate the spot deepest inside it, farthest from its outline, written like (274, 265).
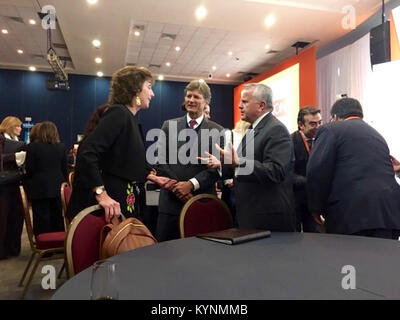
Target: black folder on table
(235, 236)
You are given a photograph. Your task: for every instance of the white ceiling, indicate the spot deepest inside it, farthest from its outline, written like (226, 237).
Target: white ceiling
(230, 25)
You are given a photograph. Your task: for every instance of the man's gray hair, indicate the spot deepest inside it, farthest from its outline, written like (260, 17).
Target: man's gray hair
(262, 93)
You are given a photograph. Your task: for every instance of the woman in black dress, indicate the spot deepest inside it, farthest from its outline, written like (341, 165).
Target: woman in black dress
(111, 160)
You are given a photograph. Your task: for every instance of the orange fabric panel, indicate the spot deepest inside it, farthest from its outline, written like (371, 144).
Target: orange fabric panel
(394, 42)
(306, 60)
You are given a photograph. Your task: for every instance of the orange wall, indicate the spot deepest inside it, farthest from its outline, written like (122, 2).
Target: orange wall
(394, 43)
(306, 59)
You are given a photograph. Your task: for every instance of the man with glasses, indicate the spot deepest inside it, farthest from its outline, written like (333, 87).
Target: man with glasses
(308, 120)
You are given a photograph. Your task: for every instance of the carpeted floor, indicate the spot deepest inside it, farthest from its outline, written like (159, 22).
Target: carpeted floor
(11, 271)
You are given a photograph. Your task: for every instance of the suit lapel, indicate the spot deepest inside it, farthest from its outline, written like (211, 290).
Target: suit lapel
(249, 138)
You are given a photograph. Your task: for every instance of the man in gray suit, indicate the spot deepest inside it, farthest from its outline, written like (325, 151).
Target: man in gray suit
(184, 139)
(263, 166)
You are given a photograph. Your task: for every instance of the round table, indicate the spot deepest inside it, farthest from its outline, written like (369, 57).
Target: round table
(284, 266)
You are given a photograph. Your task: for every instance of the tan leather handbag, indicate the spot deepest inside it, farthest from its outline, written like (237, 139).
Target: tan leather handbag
(123, 236)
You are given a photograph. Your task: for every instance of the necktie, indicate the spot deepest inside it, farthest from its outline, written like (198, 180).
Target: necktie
(192, 123)
(310, 142)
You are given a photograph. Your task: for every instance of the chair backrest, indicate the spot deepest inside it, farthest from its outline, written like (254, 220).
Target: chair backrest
(204, 213)
(82, 243)
(28, 213)
(71, 178)
(66, 191)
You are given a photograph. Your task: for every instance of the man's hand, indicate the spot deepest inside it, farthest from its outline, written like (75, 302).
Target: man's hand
(395, 164)
(228, 155)
(210, 160)
(163, 182)
(181, 189)
(110, 206)
(185, 198)
(319, 219)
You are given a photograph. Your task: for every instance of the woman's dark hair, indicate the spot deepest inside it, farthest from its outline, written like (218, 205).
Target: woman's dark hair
(94, 119)
(47, 132)
(126, 83)
(347, 107)
(33, 133)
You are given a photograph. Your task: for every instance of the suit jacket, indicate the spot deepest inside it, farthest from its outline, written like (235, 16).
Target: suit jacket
(264, 198)
(170, 166)
(46, 169)
(114, 148)
(7, 152)
(350, 179)
(300, 167)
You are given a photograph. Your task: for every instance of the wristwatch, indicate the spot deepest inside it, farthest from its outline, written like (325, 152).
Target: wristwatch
(99, 190)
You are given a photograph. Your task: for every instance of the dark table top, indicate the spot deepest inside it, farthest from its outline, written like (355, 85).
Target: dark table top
(284, 266)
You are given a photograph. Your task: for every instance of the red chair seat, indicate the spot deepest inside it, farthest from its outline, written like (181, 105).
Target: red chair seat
(50, 240)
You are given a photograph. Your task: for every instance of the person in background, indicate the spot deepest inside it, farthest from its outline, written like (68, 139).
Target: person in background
(207, 111)
(11, 217)
(46, 169)
(111, 160)
(308, 120)
(350, 178)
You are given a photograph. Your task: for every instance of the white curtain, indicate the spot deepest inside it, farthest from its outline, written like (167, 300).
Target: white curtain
(345, 71)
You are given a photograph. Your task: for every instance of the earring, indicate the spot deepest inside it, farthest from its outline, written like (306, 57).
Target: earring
(138, 101)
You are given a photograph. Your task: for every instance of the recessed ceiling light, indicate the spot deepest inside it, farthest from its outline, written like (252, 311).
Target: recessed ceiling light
(201, 80)
(201, 13)
(92, 1)
(5, 31)
(228, 75)
(32, 68)
(267, 47)
(32, 22)
(96, 43)
(20, 51)
(161, 77)
(178, 48)
(269, 21)
(214, 68)
(230, 53)
(168, 64)
(100, 74)
(137, 33)
(98, 60)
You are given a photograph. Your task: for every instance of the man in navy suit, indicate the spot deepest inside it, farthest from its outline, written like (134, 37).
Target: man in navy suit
(308, 120)
(350, 178)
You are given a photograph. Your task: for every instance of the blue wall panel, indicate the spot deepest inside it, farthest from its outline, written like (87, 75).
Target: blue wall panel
(24, 94)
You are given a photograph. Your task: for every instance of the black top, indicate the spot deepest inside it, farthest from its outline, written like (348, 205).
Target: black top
(46, 169)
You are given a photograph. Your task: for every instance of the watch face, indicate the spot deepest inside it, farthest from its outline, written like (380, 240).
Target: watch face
(99, 190)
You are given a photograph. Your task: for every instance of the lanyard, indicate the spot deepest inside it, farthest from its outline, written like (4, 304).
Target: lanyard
(352, 117)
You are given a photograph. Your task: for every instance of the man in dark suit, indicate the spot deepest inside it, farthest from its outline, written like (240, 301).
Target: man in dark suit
(178, 159)
(263, 167)
(308, 120)
(350, 178)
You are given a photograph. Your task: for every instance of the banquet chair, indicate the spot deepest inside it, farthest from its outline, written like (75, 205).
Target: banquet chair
(66, 191)
(44, 246)
(71, 178)
(204, 213)
(82, 243)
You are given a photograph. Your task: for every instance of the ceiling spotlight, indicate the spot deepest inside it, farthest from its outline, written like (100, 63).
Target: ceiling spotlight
(20, 51)
(98, 60)
(100, 74)
(5, 31)
(32, 22)
(168, 64)
(92, 1)
(178, 48)
(214, 68)
(228, 75)
(201, 80)
(32, 68)
(201, 13)
(269, 21)
(96, 43)
(230, 53)
(161, 77)
(137, 33)
(267, 47)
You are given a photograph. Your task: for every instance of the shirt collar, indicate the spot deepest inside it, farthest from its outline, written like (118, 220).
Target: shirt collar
(6, 135)
(198, 120)
(258, 120)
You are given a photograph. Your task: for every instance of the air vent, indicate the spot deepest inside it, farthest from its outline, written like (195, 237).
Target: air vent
(138, 27)
(155, 66)
(60, 45)
(168, 36)
(272, 52)
(65, 59)
(37, 56)
(15, 19)
(131, 64)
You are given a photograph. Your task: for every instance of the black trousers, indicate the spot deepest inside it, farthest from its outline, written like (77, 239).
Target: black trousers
(11, 221)
(167, 227)
(47, 215)
(379, 233)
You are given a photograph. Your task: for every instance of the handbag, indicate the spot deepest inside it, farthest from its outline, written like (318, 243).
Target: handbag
(9, 177)
(123, 236)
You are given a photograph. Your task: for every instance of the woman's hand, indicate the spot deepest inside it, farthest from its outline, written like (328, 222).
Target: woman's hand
(111, 207)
